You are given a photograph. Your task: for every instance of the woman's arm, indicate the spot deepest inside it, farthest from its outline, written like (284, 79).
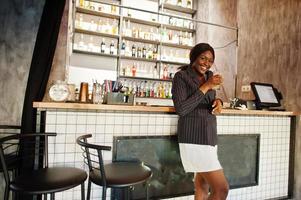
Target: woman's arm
(183, 103)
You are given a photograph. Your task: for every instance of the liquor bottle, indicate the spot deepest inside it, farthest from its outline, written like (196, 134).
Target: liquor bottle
(139, 54)
(112, 47)
(122, 50)
(128, 29)
(114, 27)
(190, 39)
(93, 26)
(150, 52)
(155, 72)
(151, 34)
(138, 89)
(134, 51)
(151, 90)
(189, 4)
(81, 3)
(91, 44)
(144, 52)
(103, 46)
(128, 71)
(179, 3)
(155, 53)
(191, 25)
(165, 72)
(134, 70)
(81, 44)
(81, 23)
(147, 89)
(122, 69)
(99, 26)
(180, 38)
(142, 89)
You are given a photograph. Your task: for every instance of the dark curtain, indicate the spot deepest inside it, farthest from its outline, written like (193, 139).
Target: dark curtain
(38, 76)
(41, 61)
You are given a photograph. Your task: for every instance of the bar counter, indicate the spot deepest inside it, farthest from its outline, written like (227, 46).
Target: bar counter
(275, 131)
(159, 109)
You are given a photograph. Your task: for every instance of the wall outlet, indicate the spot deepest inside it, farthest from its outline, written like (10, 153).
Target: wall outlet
(246, 88)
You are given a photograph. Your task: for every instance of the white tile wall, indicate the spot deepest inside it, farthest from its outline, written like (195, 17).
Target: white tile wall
(274, 143)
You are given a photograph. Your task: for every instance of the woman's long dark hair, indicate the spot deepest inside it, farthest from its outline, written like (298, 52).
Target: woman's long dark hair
(196, 51)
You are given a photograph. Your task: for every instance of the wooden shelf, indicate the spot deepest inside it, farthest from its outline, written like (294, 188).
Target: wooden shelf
(97, 13)
(143, 78)
(141, 21)
(178, 28)
(139, 59)
(172, 62)
(176, 45)
(94, 53)
(152, 98)
(88, 32)
(178, 8)
(140, 40)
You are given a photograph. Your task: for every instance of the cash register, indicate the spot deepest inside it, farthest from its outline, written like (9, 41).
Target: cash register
(267, 97)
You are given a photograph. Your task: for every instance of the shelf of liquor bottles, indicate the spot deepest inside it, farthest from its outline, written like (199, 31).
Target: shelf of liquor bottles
(147, 71)
(147, 89)
(147, 49)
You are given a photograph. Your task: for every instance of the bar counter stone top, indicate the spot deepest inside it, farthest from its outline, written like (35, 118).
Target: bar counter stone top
(160, 109)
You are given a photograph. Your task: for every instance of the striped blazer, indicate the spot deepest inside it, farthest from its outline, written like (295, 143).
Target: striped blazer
(196, 124)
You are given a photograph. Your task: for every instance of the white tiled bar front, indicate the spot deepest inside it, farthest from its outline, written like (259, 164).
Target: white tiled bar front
(274, 133)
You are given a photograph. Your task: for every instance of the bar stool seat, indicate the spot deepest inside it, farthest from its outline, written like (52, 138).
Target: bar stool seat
(121, 174)
(48, 180)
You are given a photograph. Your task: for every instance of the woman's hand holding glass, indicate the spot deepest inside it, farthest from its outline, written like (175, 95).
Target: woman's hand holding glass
(212, 83)
(217, 106)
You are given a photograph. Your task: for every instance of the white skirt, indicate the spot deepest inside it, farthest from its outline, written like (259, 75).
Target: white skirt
(199, 158)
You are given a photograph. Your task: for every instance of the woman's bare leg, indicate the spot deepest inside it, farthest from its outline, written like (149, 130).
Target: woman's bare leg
(201, 187)
(218, 184)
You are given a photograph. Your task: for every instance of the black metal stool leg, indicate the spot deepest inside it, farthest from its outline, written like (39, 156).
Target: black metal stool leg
(83, 191)
(89, 190)
(52, 196)
(147, 194)
(104, 193)
(6, 193)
